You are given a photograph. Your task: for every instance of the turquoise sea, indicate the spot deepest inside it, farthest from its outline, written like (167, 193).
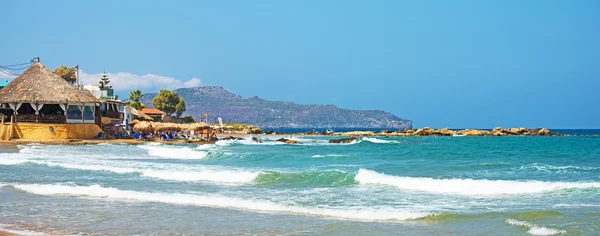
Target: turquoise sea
(375, 186)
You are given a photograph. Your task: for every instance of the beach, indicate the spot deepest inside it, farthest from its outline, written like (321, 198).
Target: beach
(415, 185)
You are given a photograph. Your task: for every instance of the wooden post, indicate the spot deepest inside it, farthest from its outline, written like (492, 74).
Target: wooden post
(10, 131)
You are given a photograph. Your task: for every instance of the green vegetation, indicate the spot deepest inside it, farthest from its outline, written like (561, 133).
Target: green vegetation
(104, 82)
(180, 107)
(188, 119)
(169, 102)
(66, 73)
(134, 97)
(237, 126)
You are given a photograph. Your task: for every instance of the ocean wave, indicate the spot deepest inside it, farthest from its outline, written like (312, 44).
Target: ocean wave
(270, 141)
(535, 229)
(329, 155)
(245, 141)
(239, 177)
(545, 167)
(12, 161)
(209, 175)
(174, 152)
(97, 191)
(376, 140)
(306, 178)
(467, 187)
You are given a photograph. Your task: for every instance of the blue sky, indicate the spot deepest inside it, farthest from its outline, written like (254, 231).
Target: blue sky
(457, 64)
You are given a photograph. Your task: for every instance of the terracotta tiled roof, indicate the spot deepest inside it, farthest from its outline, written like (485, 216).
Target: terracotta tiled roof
(151, 111)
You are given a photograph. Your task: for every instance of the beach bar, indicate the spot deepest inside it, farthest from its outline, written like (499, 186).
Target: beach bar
(39, 104)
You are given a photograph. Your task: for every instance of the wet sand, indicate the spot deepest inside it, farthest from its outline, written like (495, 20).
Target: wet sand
(4, 233)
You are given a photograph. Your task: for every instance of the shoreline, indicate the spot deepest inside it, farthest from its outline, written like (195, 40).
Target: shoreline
(422, 132)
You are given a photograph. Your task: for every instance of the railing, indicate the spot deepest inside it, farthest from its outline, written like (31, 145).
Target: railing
(116, 97)
(53, 119)
(25, 118)
(111, 114)
(41, 118)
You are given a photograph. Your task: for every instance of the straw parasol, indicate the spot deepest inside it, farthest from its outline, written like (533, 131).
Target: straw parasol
(197, 126)
(38, 84)
(143, 127)
(167, 127)
(133, 122)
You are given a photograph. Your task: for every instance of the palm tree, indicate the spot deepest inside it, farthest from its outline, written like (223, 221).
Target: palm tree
(134, 97)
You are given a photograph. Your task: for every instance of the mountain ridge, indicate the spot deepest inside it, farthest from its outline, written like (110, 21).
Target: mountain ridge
(218, 102)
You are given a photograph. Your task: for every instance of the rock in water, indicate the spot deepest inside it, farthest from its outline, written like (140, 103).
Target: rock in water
(344, 140)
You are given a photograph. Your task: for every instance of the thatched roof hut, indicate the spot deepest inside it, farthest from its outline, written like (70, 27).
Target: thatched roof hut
(38, 84)
(39, 95)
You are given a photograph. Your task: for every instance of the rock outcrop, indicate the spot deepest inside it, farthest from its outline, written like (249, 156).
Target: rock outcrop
(344, 140)
(427, 131)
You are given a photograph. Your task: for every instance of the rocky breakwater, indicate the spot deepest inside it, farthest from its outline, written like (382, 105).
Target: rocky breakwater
(426, 131)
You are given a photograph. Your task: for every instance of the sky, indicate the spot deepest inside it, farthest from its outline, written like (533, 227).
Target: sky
(457, 64)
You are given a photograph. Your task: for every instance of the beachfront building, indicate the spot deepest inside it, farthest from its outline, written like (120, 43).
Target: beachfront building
(111, 109)
(41, 105)
(156, 114)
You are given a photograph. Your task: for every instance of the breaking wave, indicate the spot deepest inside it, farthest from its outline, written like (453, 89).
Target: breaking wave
(326, 178)
(210, 175)
(350, 213)
(174, 152)
(467, 187)
(535, 229)
(376, 140)
(329, 155)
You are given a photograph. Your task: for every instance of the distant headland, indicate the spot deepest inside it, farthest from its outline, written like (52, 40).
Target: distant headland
(218, 102)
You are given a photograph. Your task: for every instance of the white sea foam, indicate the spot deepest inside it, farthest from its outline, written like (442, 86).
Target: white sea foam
(4, 161)
(186, 175)
(545, 167)
(375, 140)
(328, 155)
(245, 141)
(212, 176)
(206, 147)
(119, 170)
(535, 229)
(467, 187)
(218, 201)
(174, 152)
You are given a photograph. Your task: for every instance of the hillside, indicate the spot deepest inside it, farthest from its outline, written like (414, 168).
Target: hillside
(218, 102)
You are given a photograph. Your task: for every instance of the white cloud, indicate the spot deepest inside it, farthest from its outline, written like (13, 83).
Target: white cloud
(6, 75)
(194, 82)
(147, 83)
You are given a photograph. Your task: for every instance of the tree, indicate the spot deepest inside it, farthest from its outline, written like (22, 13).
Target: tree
(66, 73)
(166, 101)
(188, 119)
(104, 82)
(180, 107)
(134, 97)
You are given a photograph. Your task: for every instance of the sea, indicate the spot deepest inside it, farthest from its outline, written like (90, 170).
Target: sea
(371, 186)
